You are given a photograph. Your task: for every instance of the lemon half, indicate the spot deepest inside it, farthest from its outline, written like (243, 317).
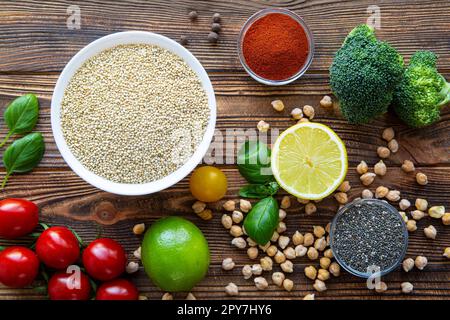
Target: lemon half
(309, 161)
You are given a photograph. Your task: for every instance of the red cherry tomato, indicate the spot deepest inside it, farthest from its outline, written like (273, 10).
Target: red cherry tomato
(57, 247)
(67, 286)
(104, 259)
(19, 267)
(18, 217)
(119, 289)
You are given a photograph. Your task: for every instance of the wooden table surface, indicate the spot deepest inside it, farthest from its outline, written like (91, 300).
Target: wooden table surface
(35, 45)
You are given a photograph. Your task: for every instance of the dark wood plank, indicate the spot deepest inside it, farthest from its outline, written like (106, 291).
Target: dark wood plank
(40, 27)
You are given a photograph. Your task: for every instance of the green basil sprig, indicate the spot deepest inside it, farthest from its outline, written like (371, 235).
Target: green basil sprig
(253, 162)
(21, 115)
(23, 155)
(262, 220)
(259, 191)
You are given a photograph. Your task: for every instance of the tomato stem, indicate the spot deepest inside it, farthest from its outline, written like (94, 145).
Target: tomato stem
(44, 225)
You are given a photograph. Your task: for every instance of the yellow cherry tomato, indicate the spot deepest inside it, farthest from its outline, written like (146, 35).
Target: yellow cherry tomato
(208, 184)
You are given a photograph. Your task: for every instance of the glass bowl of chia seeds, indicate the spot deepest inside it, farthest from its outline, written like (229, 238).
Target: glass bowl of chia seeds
(367, 237)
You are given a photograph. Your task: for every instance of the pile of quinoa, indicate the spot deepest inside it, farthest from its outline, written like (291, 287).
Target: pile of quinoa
(134, 113)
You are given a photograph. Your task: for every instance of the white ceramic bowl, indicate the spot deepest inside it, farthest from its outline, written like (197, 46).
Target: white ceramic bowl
(94, 48)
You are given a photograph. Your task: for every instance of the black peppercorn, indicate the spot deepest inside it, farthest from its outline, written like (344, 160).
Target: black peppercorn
(184, 40)
(216, 27)
(193, 15)
(213, 37)
(216, 17)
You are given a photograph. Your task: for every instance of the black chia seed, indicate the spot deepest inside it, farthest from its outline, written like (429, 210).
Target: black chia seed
(367, 234)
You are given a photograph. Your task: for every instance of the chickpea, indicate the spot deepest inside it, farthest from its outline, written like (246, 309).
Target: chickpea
(446, 219)
(237, 216)
(421, 204)
(408, 166)
(232, 289)
(310, 208)
(404, 204)
(325, 262)
(430, 232)
(319, 285)
(198, 206)
(239, 243)
(383, 152)
(362, 168)
(297, 238)
(335, 269)
(266, 263)
(287, 266)
(252, 252)
(411, 225)
(381, 192)
(421, 262)
(289, 253)
(311, 272)
(236, 231)
(285, 202)
(381, 287)
(257, 269)
(328, 253)
(300, 250)
(367, 194)
(345, 186)
(407, 287)
(261, 283)
(393, 145)
(288, 284)
(320, 244)
(283, 242)
(228, 264)
(309, 296)
(281, 214)
(247, 271)
(278, 105)
(308, 239)
(323, 275)
(326, 102)
(436, 212)
(263, 126)
(367, 178)
(245, 205)
(417, 214)
(279, 257)
(227, 222)
(408, 264)
(308, 111)
(421, 179)
(312, 253)
(388, 134)
(297, 114)
(278, 278)
(229, 205)
(139, 229)
(281, 227)
(319, 231)
(341, 197)
(447, 253)
(272, 251)
(380, 168)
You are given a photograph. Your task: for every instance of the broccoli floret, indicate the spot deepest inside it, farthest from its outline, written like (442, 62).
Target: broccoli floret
(364, 74)
(422, 91)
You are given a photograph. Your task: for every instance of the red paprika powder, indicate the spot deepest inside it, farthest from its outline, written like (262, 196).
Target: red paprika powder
(275, 47)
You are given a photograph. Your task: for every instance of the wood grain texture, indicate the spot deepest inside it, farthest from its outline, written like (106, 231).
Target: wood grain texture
(35, 45)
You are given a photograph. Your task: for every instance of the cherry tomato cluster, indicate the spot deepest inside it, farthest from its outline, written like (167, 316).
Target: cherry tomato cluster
(58, 248)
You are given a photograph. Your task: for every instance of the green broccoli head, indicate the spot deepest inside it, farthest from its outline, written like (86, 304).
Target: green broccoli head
(422, 91)
(363, 75)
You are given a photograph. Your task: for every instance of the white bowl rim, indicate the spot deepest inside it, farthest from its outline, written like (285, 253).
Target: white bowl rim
(109, 41)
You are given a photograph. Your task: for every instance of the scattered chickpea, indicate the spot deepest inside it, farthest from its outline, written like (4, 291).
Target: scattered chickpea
(362, 168)
(393, 145)
(367, 194)
(436, 212)
(345, 187)
(446, 219)
(328, 227)
(245, 205)
(381, 287)
(297, 114)
(231, 289)
(381, 192)
(257, 269)
(227, 222)
(252, 252)
(278, 105)
(421, 178)
(281, 214)
(247, 271)
(404, 216)
(319, 285)
(279, 257)
(142, 297)
(300, 251)
(263, 126)
(312, 253)
(205, 214)
(388, 134)
(302, 201)
(310, 208)
(328, 253)
(198, 206)
(408, 166)
(167, 296)
(281, 227)
(404, 204)
(278, 278)
(285, 202)
(288, 284)
(318, 231)
(393, 195)
(308, 111)
(323, 275)
(265, 247)
(383, 152)
(303, 120)
(311, 272)
(239, 243)
(320, 244)
(408, 264)
(417, 214)
(430, 232)
(309, 296)
(297, 238)
(275, 236)
(308, 239)
(421, 262)
(261, 283)
(447, 253)
(137, 253)
(228, 264)
(324, 262)
(139, 229)
(132, 267)
(229, 205)
(411, 225)
(287, 266)
(326, 102)
(266, 263)
(335, 269)
(237, 216)
(283, 242)
(271, 251)
(289, 253)
(251, 242)
(341, 197)
(380, 168)
(236, 231)
(407, 287)
(367, 178)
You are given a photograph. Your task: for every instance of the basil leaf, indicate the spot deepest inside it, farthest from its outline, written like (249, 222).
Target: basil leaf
(259, 191)
(23, 154)
(21, 115)
(262, 220)
(253, 162)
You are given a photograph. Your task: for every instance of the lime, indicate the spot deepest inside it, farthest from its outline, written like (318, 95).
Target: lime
(309, 161)
(175, 254)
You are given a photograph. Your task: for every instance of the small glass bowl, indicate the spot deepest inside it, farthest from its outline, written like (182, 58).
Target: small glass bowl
(309, 36)
(390, 209)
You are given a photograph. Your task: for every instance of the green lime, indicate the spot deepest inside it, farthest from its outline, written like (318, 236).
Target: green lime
(175, 254)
